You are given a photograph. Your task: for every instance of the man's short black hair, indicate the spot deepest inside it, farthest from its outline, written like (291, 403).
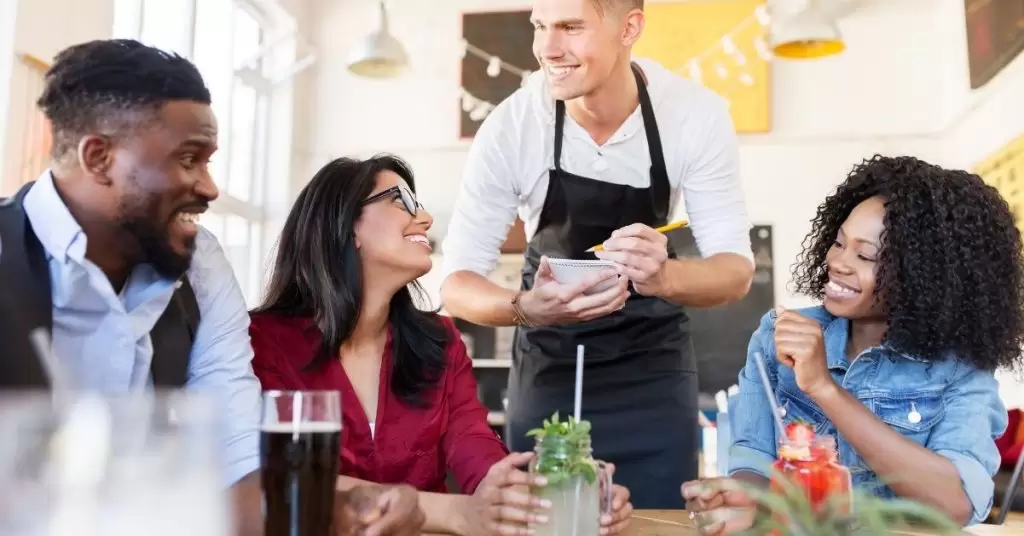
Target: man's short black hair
(103, 85)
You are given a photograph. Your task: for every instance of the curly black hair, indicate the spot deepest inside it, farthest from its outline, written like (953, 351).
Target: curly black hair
(951, 269)
(100, 86)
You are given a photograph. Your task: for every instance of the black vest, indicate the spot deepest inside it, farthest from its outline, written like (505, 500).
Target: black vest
(26, 304)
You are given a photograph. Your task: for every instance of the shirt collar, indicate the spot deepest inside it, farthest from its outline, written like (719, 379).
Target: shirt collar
(57, 230)
(544, 104)
(837, 332)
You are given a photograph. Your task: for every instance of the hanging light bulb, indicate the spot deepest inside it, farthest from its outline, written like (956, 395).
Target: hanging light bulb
(378, 55)
(494, 67)
(694, 69)
(746, 79)
(808, 34)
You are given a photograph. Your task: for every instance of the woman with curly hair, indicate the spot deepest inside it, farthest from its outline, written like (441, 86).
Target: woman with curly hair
(919, 270)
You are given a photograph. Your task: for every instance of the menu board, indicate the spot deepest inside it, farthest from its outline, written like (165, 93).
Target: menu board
(1005, 171)
(995, 36)
(721, 334)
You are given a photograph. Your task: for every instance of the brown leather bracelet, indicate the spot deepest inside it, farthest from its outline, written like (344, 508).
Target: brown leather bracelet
(518, 316)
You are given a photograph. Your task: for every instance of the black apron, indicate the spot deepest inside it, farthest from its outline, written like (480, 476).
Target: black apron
(640, 375)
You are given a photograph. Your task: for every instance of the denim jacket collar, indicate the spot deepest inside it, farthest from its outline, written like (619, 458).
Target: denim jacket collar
(836, 331)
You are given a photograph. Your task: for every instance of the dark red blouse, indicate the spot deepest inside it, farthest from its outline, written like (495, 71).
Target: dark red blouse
(413, 446)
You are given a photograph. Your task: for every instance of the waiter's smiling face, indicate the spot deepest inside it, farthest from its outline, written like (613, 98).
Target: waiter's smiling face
(579, 42)
(392, 229)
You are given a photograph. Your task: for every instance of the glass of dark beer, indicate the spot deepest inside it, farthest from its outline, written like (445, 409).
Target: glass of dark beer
(300, 445)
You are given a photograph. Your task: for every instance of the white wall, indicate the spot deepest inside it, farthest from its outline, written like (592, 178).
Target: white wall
(41, 28)
(8, 13)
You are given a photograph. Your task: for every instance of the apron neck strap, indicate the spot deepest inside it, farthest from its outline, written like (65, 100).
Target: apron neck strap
(659, 179)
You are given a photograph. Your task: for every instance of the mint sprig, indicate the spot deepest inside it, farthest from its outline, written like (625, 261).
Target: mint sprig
(560, 456)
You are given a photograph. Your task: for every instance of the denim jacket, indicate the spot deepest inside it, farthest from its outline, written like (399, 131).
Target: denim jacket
(949, 407)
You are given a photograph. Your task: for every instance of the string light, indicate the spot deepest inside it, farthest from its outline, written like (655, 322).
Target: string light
(494, 67)
(762, 49)
(763, 17)
(695, 71)
(727, 44)
(478, 109)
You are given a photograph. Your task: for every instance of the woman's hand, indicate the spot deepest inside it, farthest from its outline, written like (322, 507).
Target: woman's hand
(502, 503)
(371, 510)
(719, 506)
(622, 509)
(800, 345)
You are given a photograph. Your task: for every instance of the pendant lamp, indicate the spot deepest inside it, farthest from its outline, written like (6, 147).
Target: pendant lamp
(378, 55)
(806, 34)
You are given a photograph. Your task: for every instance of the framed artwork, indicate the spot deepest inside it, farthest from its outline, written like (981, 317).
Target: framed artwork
(995, 36)
(1005, 171)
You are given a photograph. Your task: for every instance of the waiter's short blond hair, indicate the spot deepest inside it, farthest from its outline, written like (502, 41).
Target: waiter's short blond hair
(617, 6)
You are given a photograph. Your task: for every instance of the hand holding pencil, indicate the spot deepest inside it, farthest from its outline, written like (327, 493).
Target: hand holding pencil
(663, 229)
(639, 253)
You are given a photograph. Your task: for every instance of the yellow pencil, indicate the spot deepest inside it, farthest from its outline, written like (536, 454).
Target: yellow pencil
(663, 229)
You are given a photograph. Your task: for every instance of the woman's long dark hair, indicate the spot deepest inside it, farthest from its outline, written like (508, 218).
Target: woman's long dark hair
(317, 273)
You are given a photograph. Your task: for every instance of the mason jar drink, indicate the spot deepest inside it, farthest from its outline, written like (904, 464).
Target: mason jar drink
(810, 462)
(578, 486)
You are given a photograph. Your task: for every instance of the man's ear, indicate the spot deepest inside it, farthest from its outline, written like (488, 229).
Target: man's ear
(96, 156)
(633, 27)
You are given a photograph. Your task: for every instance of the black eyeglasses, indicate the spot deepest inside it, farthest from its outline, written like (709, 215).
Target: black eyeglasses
(408, 198)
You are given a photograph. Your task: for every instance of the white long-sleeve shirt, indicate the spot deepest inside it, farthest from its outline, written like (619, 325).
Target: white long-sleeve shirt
(507, 168)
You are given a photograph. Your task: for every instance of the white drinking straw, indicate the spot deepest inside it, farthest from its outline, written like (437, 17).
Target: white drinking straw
(771, 396)
(579, 383)
(578, 403)
(41, 343)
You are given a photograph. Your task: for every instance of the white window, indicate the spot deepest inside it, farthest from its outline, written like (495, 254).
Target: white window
(228, 41)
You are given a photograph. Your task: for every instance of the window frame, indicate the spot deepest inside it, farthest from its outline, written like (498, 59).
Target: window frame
(273, 21)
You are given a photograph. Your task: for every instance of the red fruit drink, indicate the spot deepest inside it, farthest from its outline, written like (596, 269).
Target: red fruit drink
(811, 463)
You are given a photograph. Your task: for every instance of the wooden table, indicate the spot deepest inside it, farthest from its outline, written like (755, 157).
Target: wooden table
(676, 523)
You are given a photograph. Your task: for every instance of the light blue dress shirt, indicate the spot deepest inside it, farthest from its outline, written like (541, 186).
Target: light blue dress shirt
(103, 336)
(948, 407)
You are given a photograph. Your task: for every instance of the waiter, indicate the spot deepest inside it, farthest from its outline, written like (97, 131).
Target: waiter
(597, 149)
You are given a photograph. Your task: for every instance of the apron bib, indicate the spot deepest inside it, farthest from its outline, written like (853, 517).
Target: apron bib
(640, 375)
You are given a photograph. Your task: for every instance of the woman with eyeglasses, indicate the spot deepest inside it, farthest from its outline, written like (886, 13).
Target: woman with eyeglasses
(339, 315)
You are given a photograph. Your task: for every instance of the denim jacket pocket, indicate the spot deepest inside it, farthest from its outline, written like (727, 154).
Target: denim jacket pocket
(912, 416)
(796, 406)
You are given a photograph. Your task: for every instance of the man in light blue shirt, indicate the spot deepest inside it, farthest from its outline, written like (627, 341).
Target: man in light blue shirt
(101, 334)
(133, 134)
